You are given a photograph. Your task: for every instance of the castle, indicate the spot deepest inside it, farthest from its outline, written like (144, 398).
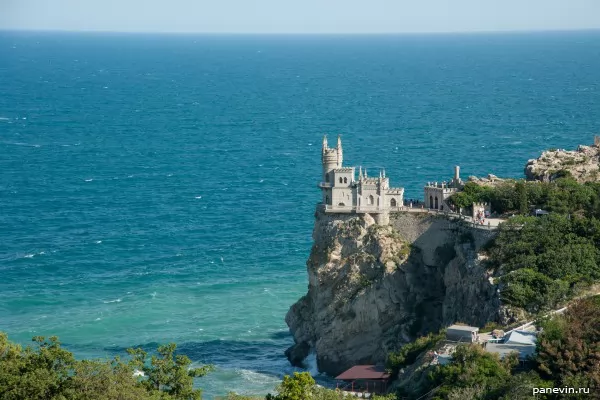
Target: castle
(343, 193)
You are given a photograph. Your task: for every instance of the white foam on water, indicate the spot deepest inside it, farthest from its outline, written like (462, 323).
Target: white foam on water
(89, 180)
(258, 378)
(311, 363)
(98, 241)
(98, 319)
(28, 255)
(112, 301)
(4, 119)
(153, 295)
(262, 180)
(198, 197)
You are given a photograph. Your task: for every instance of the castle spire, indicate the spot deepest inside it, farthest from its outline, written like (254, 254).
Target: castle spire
(324, 142)
(360, 172)
(340, 153)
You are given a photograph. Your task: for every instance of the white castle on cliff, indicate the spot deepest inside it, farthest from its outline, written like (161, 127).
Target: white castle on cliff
(343, 193)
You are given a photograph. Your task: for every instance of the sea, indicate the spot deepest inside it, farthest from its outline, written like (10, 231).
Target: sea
(162, 188)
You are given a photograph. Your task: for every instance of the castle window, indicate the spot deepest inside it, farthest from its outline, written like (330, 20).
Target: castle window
(341, 180)
(326, 199)
(326, 177)
(393, 203)
(345, 180)
(370, 200)
(430, 201)
(436, 203)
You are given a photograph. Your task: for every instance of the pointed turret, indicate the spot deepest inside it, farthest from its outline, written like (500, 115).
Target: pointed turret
(324, 142)
(340, 153)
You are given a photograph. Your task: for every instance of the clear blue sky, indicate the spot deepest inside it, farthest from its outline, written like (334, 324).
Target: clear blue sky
(299, 16)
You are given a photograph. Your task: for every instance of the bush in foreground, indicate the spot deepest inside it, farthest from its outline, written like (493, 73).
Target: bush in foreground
(46, 371)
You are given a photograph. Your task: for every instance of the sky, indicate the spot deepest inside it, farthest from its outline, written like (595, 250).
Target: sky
(299, 16)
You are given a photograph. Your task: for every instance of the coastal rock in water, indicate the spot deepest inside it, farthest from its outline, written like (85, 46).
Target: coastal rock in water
(583, 164)
(297, 354)
(373, 288)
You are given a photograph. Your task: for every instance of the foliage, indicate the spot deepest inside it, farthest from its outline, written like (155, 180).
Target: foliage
(301, 386)
(545, 261)
(49, 372)
(410, 351)
(563, 195)
(568, 349)
(168, 372)
(474, 373)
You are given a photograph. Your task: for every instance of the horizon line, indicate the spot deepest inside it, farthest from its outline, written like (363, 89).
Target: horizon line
(205, 33)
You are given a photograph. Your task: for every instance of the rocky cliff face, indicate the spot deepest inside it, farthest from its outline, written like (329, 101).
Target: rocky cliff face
(373, 288)
(583, 164)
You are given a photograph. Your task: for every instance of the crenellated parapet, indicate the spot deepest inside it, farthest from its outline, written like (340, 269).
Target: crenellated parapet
(343, 192)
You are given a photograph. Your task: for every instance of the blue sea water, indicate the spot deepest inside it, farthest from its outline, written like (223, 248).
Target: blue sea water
(162, 188)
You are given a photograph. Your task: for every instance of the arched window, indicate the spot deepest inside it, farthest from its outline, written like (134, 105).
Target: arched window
(393, 202)
(341, 180)
(342, 205)
(370, 200)
(326, 177)
(430, 201)
(326, 199)
(436, 203)
(345, 180)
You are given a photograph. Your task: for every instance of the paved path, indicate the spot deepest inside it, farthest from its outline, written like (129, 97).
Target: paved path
(493, 222)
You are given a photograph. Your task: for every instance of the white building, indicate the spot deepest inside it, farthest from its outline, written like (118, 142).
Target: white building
(343, 193)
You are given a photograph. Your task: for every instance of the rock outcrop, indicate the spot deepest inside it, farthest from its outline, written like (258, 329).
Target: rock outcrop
(583, 164)
(373, 288)
(490, 180)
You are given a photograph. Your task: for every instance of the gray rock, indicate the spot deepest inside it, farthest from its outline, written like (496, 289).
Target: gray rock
(373, 288)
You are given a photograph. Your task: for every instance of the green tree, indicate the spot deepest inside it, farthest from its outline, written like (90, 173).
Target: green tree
(170, 373)
(46, 371)
(568, 349)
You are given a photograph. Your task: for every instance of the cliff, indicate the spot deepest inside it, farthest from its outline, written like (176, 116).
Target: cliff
(583, 164)
(373, 288)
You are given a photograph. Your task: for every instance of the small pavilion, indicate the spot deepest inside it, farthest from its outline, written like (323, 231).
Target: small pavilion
(364, 378)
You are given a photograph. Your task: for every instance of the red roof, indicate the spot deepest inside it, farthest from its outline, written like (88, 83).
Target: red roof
(366, 372)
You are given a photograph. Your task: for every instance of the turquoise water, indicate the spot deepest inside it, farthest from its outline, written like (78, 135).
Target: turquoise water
(162, 188)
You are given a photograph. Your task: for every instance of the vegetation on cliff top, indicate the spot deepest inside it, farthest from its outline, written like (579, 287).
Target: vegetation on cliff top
(542, 262)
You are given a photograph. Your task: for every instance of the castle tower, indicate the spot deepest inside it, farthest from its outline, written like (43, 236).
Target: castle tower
(331, 158)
